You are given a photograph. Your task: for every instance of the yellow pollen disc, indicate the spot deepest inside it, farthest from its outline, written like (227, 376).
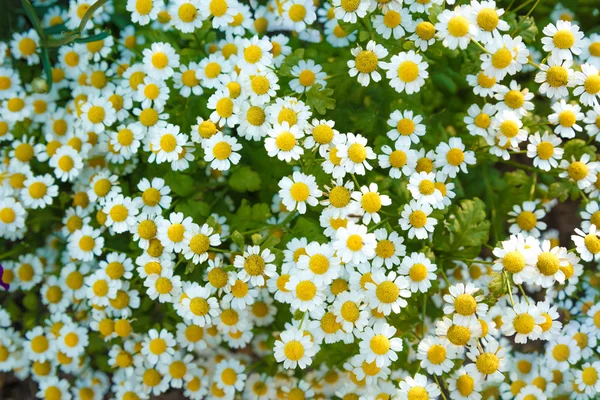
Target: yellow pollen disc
(465, 304)
(159, 60)
(418, 272)
(561, 352)
(425, 30)
(408, 71)
(225, 107)
(293, 350)
(487, 19)
(357, 153)
(119, 213)
(175, 232)
(459, 335)
(592, 243)
(487, 363)
(548, 263)
(297, 12)
(318, 264)
(222, 150)
(418, 219)
(577, 170)
(349, 311)
(567, 118)
(371, 202)
(285, 141)
(458, 26)
(526, 220)
(187, 12)
(254, 265)
(148, 117)
(502, 58)
(387, 292)
(545, 150)
(485, 81)
(354, 242)
(436, 354)
(366, 62)
(199, 306)
(564, 39)
(253, 54)
(299, 191)
(557, 76)
(27, 46)
(306, 290)
(524, 324)
(592, 84)
(307, 78)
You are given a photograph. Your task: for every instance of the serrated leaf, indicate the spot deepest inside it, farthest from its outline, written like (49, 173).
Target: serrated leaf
(560, 190)
(517, 178)
(319, 99)
(244, 179)
(527, 29)
(434, 12)
(578, 147)
(182, 185)
(466, 228)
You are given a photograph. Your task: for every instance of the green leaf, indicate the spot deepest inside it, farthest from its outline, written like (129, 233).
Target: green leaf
(238, 239)
(466, 228)
(94, 38)
(434, 12)
(290, 61)
(517, 178)
(197, 210)
(308, 228)
(578, 147)
(320, 99)
(527, 29)
(58, 28)
(560, 190)
(182, 185)
(89, 14)
(244, 179)
(363, 36)
(271, 241)
(47, 67)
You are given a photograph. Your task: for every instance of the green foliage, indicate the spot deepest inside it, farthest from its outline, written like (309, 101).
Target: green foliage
(244, 179)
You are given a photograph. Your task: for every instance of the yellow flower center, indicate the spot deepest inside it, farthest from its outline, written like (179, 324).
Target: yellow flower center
(465, 304)
(387, 292)
(458, 26)
(487, 363)
(408, 71)
(27, 46)
(159, 60)
(524, 324)
(366, 62)
(119, 213)
(297, 12)
(567, 118)
(502, 58)
(564, 39)
(349, 311)
(357, 153)
(253, 54)
(577, 170)
(455, 157)
(509, 128)
(187, 12)
(392, 19)
(307, 78)
(561, 352)
(175, 232)
(199, 306)
(293, 350)
(418, 219)
(418, 272)
(306, 290)
(254, 265)
(557, 76)
(487, 19)
(425, 30)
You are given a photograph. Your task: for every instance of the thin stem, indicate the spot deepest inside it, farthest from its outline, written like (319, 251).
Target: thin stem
(355, 181)
(509, 288)
(423, 313)
(525, 17)
(521, 6)
(383, 221)
(517, 165)
(480, 45)
(530, 62)
(476, 261)
(523, 293)
(440, 386)
(444, 276)
(217, 250)
(533, 185)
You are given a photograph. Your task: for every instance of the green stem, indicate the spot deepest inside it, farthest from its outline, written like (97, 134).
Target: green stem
(509, 288)
(355, 181)
(525, 17)
(383, 221)
(523, 293)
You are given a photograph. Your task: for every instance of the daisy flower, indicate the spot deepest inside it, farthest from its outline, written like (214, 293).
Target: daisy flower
(544, 150)
(389, 249)
(514, 99)
(199, 240)
(97, 114)
(157, 347)
(366, 61)
(155, 197)
(225, 108)
(101, 289)
(322, 135)
(506, 56)
(587, 244)
(221, 151)
(160, 60)
(321, 262)
(168, 143)
(454, 28)
(350, 311)
(418, 387)
(407, 127)
(527, 219)
(369, 202)
(582, 172)
(416, 220)
(298, 14)
(485, 16)
(185, 15)
(306, 294)
(523, 320)
(556, 77)
(221, 11)
(394, 23)
(509, 127)
(387, 293)
(563, 39)
(354, 154)
(419, 270)
(185, 80)
(424, 35)
(512, 257)
(565, 118)
(120, 213)
(305, 75)
(407, 72)
(25, 46)
(85, 244)
(464, 303)
(435, 356)
(562, 352)
(171, 231)
(379, 345)
(353, 244)
(261, 86)
(229, 376)
(489, 362)
(294, 349)
(587, 85)
(255, 266)
(255, 54)
(38, 191)
(197, 306)
(350, 11)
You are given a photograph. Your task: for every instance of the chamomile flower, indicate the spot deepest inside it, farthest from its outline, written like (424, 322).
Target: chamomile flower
(305, 75)
(369, 202)
(544, 150)
(294, 349)
(307, 295)
(509, 128)
(85, 244)
(298, 191)
(97, 114)
(562, 40)
(163, 286)
(514, 99)
(485, 16)
(582, 172)
(418, 386)
(435, 356)
(523, 320)
(186, 81)
(366, 61)
(355, 154)
(556, 77)
(210, 69)
(38, 191)
(389, 249)
(393, 22)
(353, 244)
(282, 142)
(197, 306)
(387, 293)
(565, 118)
(171, 231)
(562, 352)
(185, 15)
(160, 60)
(407, 72)
(225, 108)
(120, 213)
(527, 219)
(255, 265)
(350, 11)
(168, 143)
(101, 288)
(254, 54)
(419, 270)
(587, 244)
(298, 14)
(25, 46)
(454, 28)
(416, 220)
(464, 303)
(587, 85)
(221, 151)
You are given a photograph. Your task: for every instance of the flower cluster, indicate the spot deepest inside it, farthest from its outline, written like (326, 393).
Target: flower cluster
(300, 199)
